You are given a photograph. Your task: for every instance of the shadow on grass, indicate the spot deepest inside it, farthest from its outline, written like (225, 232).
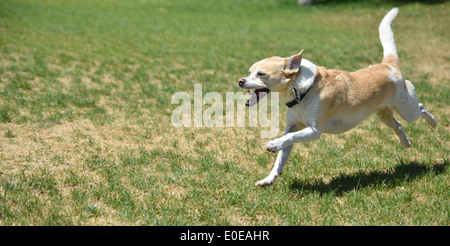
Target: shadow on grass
(403, 172)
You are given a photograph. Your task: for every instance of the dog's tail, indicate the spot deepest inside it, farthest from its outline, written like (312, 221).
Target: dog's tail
(387, 37)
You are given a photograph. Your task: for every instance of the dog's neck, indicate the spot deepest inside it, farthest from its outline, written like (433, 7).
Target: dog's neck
(302, 83)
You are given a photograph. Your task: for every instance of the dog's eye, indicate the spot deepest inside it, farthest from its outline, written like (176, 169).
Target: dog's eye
(261, 74)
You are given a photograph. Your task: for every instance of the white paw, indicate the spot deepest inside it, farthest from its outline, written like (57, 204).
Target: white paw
(267, 181)
(274, 145)
(405, 143)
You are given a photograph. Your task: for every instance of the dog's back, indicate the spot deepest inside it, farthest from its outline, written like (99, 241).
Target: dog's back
(367, 88)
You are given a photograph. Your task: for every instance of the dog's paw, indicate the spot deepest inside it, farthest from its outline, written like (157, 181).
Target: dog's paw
(274, 146)
(267, 181)
(405, 143)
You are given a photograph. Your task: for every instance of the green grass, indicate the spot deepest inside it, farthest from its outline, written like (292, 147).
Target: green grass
(86, 138)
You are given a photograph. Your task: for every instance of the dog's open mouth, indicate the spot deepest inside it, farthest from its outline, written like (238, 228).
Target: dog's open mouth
(256, 95)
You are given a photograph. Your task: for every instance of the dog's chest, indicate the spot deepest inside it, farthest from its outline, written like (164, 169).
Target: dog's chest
(301, 113)
(337, 125)
(308, 114)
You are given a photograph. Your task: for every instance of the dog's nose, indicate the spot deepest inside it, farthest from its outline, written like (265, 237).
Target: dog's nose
(241, 82)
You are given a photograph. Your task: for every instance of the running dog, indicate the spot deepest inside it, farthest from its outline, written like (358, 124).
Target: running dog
(324, 100)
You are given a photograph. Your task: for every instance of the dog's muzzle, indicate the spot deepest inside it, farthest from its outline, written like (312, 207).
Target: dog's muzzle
(255, 95)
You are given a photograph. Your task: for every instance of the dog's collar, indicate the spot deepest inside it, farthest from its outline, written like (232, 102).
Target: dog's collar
(297, 98)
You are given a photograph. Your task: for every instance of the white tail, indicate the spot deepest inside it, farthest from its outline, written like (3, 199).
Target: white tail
(387, 35)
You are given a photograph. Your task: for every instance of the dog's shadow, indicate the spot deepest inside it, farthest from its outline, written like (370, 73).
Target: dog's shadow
(403, 172)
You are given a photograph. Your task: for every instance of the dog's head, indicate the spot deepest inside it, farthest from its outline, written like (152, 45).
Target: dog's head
(270, 75)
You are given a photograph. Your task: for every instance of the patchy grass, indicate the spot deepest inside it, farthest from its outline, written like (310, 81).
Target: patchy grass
(86, 138)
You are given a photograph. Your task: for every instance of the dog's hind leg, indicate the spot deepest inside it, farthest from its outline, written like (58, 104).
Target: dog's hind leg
(427, 116)
(408, 107)
(386, 115)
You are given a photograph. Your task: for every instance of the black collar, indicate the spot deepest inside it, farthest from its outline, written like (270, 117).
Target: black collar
(298, 97)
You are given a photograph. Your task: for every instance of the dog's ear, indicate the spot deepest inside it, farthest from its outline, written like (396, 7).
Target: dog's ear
(292, 64)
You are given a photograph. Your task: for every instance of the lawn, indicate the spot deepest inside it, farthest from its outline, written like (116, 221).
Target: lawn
(85, 115)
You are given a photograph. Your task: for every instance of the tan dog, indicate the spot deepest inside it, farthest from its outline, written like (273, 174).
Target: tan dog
(334, 101)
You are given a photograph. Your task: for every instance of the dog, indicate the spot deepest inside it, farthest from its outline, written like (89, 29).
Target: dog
(333, 101)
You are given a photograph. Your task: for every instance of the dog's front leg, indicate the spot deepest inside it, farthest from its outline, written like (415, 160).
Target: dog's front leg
(280, 161)
(307, 134)
(278, 167)
(285, 144)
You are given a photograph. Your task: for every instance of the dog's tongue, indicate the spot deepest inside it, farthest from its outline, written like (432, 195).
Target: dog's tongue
(253, 100)
(256, 96)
